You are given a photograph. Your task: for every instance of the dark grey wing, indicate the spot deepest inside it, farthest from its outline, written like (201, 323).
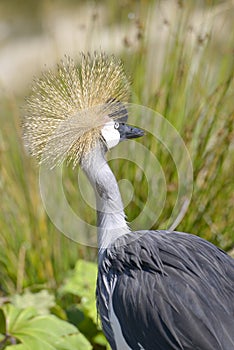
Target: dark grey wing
(174, 291)
(105, 286)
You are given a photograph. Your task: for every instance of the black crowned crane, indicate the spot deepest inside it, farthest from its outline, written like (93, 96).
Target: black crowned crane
(156, 290)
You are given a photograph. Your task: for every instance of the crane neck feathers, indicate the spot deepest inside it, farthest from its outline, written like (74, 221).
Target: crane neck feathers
(111, 222)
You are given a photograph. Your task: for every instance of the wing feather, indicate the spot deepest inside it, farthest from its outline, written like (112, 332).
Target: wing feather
(172, 291)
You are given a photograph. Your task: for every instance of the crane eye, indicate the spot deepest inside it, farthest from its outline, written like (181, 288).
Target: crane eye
(116, 126)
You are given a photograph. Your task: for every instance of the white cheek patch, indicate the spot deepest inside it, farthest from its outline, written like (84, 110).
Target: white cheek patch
(110, 134)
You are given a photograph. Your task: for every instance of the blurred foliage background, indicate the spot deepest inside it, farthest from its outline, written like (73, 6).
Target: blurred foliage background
(179, 55)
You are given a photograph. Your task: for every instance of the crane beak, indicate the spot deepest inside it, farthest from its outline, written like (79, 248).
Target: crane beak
(129, 132)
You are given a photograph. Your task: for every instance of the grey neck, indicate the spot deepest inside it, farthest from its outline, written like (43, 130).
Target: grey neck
(111, 222)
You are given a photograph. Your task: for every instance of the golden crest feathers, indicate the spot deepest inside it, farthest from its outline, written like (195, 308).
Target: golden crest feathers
(69, 106)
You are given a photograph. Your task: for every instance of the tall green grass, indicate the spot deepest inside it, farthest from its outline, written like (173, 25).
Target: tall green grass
(193, 90)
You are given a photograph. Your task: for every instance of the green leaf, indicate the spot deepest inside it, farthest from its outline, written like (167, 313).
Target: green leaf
(58, 311)
(40, 332)
(2, 322)
(75, 341)
(17, 318)
(82, 282)
(17, 347)
(41, 301)
(83, 322)
(100, 339)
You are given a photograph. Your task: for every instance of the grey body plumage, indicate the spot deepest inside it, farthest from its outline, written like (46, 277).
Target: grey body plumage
(169, 291)
(156, 290)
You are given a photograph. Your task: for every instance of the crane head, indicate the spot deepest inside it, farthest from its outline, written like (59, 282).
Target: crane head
(117, 130)
(74, 107)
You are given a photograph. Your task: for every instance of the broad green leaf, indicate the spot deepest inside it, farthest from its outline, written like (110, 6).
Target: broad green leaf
(17, 318)
(75, 341)
(40, 332)
(41, 301)
(17, 347)
(82, 282)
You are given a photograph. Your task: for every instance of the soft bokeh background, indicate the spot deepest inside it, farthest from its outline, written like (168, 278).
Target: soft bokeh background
(179, 55)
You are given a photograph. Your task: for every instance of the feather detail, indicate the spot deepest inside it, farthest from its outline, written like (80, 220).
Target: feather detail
(68, 107)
